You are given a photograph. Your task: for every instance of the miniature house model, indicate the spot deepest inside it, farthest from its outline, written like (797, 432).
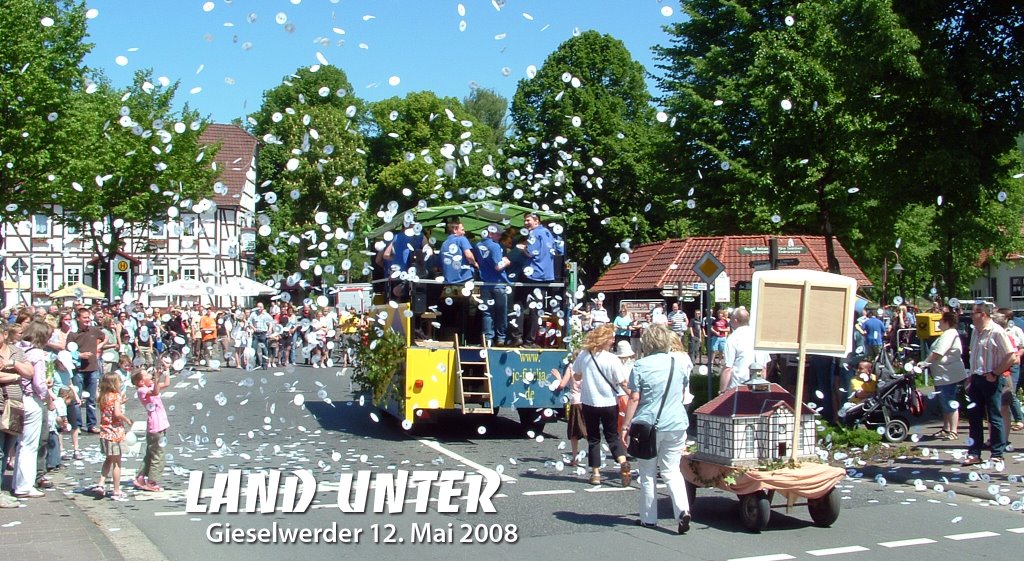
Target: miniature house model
(751, 424)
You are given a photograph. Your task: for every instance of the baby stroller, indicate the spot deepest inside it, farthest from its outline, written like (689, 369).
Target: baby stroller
(895, 402)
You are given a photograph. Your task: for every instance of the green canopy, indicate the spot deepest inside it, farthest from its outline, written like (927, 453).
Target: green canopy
(475, 215)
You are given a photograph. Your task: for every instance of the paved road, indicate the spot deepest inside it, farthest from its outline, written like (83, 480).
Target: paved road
(307, 419)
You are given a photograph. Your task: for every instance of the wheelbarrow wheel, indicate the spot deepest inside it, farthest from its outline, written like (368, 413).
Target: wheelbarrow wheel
(824, 510)
(691, 494)
(755, 509)
(896, 430)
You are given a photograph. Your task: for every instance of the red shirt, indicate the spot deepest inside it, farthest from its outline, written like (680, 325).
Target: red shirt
(720, 328)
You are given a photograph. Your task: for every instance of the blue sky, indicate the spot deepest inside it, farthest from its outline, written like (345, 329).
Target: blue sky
(226, 53)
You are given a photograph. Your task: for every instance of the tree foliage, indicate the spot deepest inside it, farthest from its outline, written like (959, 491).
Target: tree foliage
(488, 107)
(429, 148)
(311, 173)
(585, 142)
(847, 118)
(40, 66)
(134, 158)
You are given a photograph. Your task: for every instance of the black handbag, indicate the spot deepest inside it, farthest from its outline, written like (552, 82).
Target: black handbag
(643, 437)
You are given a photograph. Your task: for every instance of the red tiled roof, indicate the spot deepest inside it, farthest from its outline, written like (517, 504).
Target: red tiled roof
(742, 402)
(235, 159)
(650, 266)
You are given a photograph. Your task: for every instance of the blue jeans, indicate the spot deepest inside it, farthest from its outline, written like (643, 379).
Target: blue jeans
(86, 382)
(495, 317)
(987, 398)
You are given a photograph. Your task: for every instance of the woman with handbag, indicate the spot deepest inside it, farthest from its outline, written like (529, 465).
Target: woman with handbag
(13, 368)
(603, 379)
(656, 415)
(33, 344)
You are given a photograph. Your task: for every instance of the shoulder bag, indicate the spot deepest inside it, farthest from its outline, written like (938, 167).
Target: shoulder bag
(13, 418)
(643, 437)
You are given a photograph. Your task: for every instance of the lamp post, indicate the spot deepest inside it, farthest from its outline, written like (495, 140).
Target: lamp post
(937, 280)
(897, 269)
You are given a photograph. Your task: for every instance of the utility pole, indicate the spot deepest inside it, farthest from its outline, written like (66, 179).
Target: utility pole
(773, 253)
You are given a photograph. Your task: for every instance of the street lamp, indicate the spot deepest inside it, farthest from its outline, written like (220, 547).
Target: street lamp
(897, 269)
(938, 280)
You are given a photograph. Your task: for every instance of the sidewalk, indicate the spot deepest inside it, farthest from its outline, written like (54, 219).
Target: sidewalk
(53, 528)
(942, 466)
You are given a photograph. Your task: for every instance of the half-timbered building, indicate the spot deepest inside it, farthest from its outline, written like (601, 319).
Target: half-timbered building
(211, 240)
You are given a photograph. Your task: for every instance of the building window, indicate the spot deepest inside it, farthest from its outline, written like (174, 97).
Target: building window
(188, 225)
(159, 276)
(40, 225)
(158, 229)
(1017, 288)
(72, 275)
(992, 288)
(41, 279)
(748, 434)
(189, 273)
(70, 224)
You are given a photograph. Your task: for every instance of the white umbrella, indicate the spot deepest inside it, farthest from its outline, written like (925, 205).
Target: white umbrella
(183, 287)
(243, 287)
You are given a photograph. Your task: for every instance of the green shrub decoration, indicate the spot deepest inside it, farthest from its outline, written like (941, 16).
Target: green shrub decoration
(378, 362)
(838, 437)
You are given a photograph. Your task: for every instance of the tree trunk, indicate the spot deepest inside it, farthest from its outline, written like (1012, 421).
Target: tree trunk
(951, 280)
(826, 227)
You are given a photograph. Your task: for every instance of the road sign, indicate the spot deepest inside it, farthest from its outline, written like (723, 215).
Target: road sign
(787, 262)
(701, 286)
(722, 288)
(765, 264)
(708, 267)
(20, 266)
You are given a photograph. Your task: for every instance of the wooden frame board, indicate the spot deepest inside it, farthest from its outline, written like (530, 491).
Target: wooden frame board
(778, 302)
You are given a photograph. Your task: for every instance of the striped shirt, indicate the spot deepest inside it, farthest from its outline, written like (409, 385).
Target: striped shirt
(989, 346)
(678, 322)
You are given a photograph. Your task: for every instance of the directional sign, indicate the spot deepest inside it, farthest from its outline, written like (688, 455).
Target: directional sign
(708, 267)
(787, 262)
(700, 286)
(760, 263)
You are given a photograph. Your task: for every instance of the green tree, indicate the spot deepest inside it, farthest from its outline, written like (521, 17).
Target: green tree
(488, 107)
(585, 143)
(311, 174)
(784, 124)
(961, 119)
(428, 148)
(135, 160)
(40, 65)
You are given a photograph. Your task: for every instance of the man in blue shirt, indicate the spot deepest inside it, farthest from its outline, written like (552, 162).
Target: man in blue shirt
(407, 253)
(539, 268)
(457, 264)
(873, 331)
(494, 292)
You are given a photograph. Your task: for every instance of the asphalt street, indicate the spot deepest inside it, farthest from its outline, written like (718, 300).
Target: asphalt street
(303, 418)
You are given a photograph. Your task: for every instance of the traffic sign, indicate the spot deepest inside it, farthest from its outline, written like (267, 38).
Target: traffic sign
(787, 262)
(708, 267)
(20, 266)
(701, 286)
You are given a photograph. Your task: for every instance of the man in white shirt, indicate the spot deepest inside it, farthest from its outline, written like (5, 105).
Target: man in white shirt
(677, 321)
(740, 355)
(598, 315)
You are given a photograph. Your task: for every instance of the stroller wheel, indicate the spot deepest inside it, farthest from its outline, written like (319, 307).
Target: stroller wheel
(896, 430)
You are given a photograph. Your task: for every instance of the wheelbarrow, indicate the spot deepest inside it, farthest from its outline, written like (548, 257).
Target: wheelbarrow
(756, 488)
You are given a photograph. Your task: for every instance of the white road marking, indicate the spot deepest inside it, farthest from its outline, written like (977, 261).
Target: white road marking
(551, 492)
(603, 489)
(905, 543)
(837, 550)
(771, 557)
(181, 385)
(971, 536)
(172, 513)
(168, 394)
(196, 376)
(436, 446)
(1016, 530)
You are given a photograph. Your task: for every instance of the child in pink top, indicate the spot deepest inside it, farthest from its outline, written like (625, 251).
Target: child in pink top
(148, 391)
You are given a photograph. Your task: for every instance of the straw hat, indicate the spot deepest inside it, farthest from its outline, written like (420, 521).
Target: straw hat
(623, 349)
